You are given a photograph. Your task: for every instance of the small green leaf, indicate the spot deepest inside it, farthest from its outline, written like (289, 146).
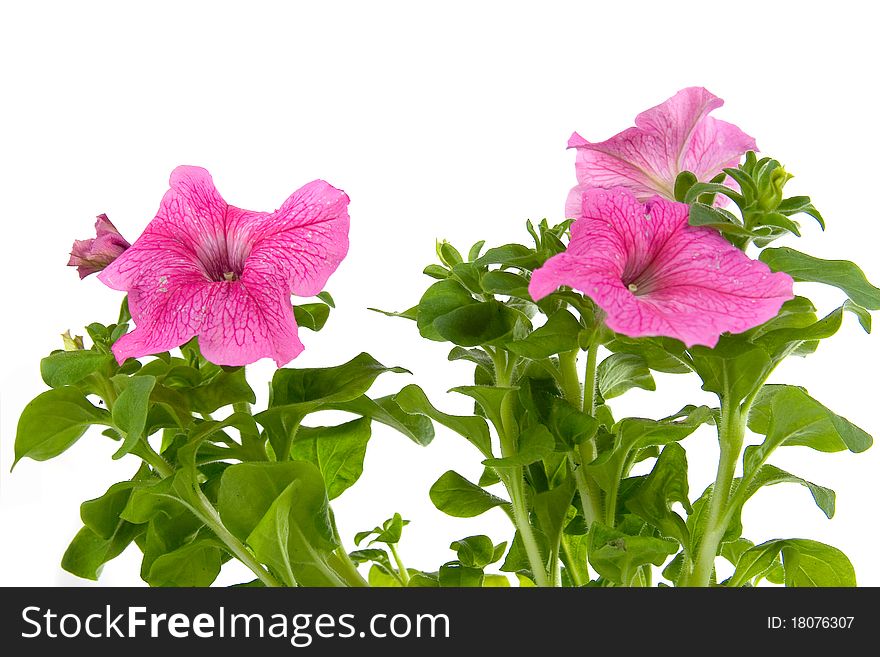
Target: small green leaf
(475, 551)
(68, 367)
(510, 255)
(448, 254)
(54, 421)
(312, 316)
(621, 372)
(839, 273)
(474, 252)
(410, 313)
(789, 416)
(436, 271)
(805, 563)
(559, 334)
(733, 368)
(454, 574)
(769, 475)
(193, 564)
(683, 182)
(800, 204)
(489, 397)
(441, 298)
(131, 408)
(413, 400)
(456, 496)
(617, 556)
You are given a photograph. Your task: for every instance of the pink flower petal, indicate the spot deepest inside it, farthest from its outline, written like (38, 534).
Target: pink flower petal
(208, 269)
(653, 274)
(307, 237)
(93, 255)
(675, 136)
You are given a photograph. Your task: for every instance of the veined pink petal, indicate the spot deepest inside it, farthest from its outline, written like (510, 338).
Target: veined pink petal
(654, 275)
(307, 237)
(675, 136)
(208, 269)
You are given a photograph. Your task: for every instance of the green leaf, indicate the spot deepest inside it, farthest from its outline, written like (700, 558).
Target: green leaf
(436, 271)
(805, 563)
(653, 351)
(385, 410)
(533, 444)
(733, 369)
(313, 387)
(510, 255)
(326, 298)
(769, 475)
(130, 410)
(102, 514)
(621, 372)
(454, 574)
(569, 425)
(495, 581)
(505, 283)
(634, 434)
(474, 252)
(413, 400)
(193, 564)
(552, 508)
(54, 421)
(559, 334)
(841, 274)
(811, 563)
(379, 577)
(281, 510)
(441, 298)
(409, 313)
(490, 398)
(456, 496)
(88, 552)
(448, 253)
(683, 182)
(705, 215)
(312, 316)
(337, 451)
(754, 562)
(476, 356)
(667, 484)
(617, 556)
(475, 551)
(787, 415)
(225, 387)
(68, 367)
(800, 204)
(476, 324)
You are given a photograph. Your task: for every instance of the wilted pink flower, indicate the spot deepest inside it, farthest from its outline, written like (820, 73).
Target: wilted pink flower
(93, 255)
(677, 135)
(654, 275)
(206, 268)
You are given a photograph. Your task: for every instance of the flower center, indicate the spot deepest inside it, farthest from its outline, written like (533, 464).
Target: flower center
(222, 258)
(633, 288)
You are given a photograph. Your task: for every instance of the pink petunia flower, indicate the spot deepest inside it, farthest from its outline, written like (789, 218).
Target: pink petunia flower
(206, 268)
(677, 135)
(93, 255)
(654, 275)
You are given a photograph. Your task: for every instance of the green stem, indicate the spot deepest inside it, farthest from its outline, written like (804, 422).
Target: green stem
(589, 403)
(571, 385)
(514, 481)
(731, 432)
(401, 569)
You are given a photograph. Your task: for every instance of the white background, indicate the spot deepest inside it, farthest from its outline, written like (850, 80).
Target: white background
(444, 120)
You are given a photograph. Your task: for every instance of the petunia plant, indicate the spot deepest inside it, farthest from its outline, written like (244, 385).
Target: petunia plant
(209, 291)
(654, 270)
(664, 262)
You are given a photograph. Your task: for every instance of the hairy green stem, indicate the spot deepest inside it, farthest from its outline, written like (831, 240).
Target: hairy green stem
(152, 458)
(347, 570)
(731, 432)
